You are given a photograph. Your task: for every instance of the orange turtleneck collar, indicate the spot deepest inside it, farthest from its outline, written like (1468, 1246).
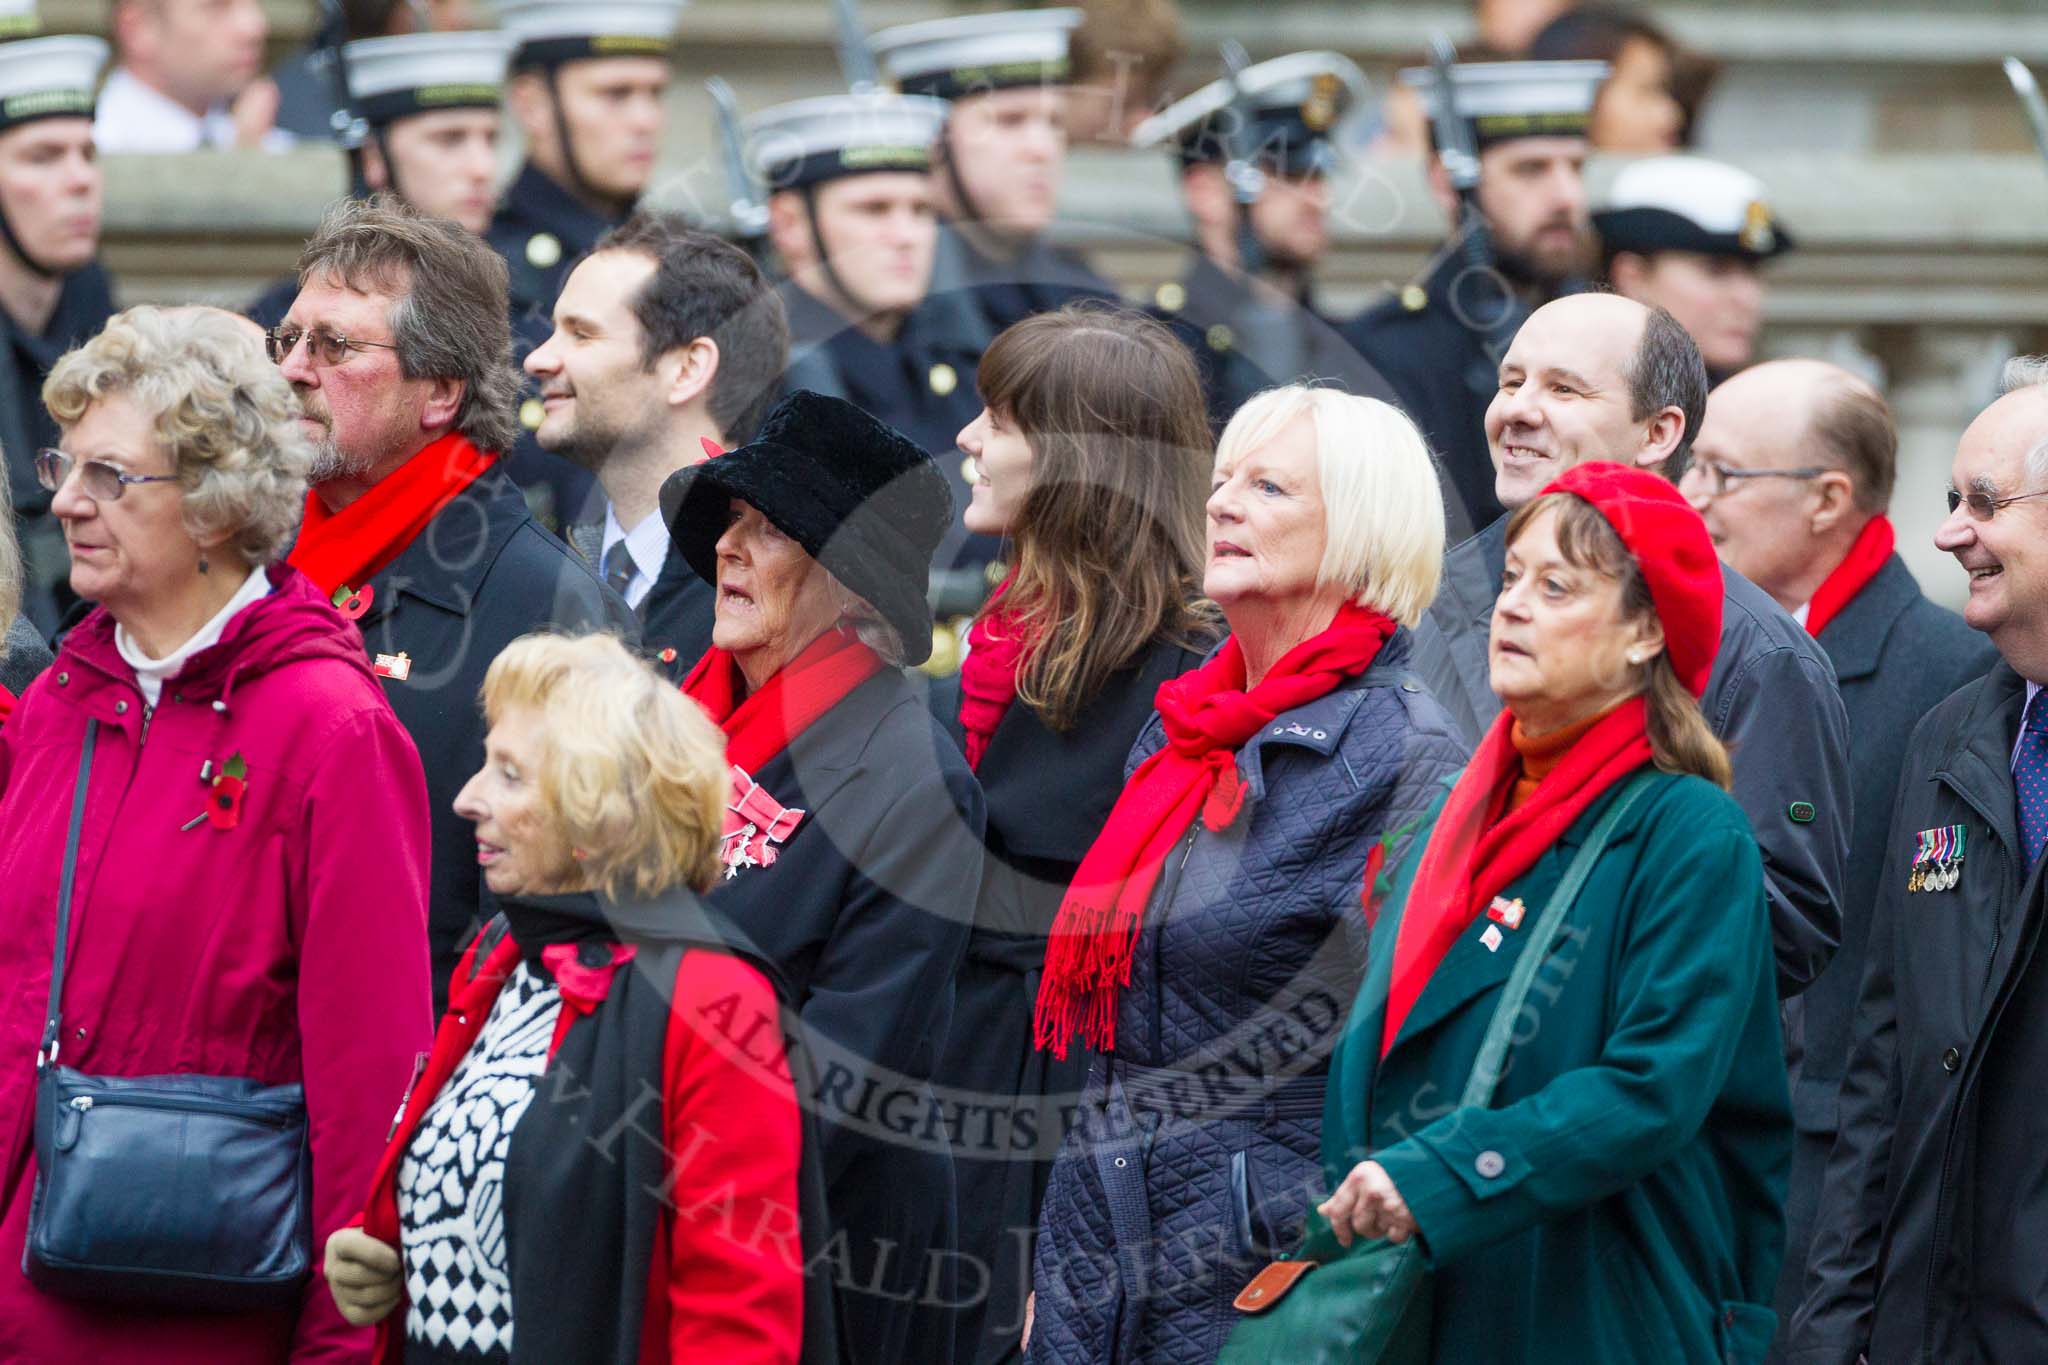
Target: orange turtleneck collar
(1540, 755)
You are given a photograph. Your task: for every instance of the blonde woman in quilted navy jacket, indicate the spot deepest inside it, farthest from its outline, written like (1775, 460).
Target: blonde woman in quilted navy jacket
(1224, 888)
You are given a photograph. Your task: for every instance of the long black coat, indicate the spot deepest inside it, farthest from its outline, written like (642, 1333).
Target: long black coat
(1896, 655)
(480, 575)
(1927, 1244)
(1772, 700)
(84, 304)
(866, 910)
(1048, 795)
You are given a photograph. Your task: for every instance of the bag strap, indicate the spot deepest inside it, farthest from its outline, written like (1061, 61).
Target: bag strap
(1493, 1048)
(47, 1054)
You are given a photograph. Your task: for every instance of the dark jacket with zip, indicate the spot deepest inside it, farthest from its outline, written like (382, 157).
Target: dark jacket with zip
(1896, 655)
(1927, 1243)
(1187, 1156)
(482, 574)
(1772, 700)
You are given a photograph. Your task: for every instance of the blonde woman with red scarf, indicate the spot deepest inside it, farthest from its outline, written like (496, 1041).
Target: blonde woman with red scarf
(1091, 459)
(1213, 936)
(1620, 1200)
(852, 838)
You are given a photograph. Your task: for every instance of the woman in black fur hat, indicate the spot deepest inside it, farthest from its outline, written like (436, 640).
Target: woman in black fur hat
(853, 834)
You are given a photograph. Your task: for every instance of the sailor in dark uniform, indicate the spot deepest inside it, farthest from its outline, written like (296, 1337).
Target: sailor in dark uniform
(1245, 304)
(1438, 340)
(1000, 160)
(851, 214)
(1692, 236)
(427, 108)
(588, 80)
(53, 292)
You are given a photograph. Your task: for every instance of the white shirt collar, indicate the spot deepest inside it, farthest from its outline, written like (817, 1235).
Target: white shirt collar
(133, 117)
(151, 674)
(647, 543)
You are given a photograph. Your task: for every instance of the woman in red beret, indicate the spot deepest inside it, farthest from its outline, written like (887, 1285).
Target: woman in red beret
(1619, 1197)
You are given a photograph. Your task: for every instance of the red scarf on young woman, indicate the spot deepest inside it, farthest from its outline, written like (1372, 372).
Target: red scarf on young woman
(988, 676)
(1208, 714)
(1475, 850)
(1872, 548)
(352, 546)
(759, 725)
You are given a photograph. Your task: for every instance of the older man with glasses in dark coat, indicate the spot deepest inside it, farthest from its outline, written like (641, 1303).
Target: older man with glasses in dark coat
(1927, 1242)
(1793, 472)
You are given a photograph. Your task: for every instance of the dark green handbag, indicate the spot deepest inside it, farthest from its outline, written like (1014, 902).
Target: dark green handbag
(1370, 1305)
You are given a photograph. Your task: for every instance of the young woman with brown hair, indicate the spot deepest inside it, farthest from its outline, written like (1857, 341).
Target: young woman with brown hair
(1091, 458)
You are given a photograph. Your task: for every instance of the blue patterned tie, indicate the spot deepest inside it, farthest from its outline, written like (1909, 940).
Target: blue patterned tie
(619, 567)
(2030, 780)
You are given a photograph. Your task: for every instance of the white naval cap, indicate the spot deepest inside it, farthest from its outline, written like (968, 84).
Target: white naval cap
(1688, 203)
(418, 73)
(1503, 100)
(44, 77)
(550, 32)
(1295, 101)
(808, 141)
(975, 53)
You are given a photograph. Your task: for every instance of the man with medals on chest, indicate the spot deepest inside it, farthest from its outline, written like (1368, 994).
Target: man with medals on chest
(588, 80)
(53, 292)
(1001, 157)
(1927, 1238)
(852, 218)
(1793, 473)
(1509, 171)
(400, 353)
(425, 110)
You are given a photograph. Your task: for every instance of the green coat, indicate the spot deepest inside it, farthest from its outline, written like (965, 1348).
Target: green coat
(1622, 1199)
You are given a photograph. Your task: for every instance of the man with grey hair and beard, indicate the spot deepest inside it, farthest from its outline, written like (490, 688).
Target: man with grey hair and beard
(401, 353)
(1927, 1242)
(1601, 377)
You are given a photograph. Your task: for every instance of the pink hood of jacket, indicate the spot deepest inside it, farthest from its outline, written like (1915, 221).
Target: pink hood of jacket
(290, 947)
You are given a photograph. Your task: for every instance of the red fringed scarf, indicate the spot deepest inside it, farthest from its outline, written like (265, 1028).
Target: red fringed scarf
(760, 726)
(1872, 548)
(1475, 850)
(1208, 715)
(988, 677)
(354, 545)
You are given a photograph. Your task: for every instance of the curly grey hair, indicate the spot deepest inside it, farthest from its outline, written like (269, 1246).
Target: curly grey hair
(223, 413)
(2029, 372)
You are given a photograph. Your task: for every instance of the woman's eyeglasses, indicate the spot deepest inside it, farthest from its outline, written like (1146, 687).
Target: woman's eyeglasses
(326, 348)
(1983, 506)
(101, 481)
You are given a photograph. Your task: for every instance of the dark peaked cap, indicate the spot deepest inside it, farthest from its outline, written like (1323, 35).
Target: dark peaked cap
(860, 497)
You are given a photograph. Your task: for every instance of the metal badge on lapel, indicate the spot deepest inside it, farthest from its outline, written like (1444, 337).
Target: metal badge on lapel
(1492, 938)
(397, 667)
(1507, 912)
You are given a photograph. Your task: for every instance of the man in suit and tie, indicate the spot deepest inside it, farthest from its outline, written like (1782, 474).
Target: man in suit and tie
(669, 344)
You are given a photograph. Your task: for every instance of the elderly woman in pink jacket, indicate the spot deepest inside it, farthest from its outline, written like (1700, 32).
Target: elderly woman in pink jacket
(249, 895)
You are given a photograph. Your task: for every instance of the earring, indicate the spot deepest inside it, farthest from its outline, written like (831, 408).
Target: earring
(1636, 659)
(204, 567)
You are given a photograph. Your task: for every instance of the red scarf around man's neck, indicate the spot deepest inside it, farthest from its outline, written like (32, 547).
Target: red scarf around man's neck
(988, 676)
(6, 704)
(1208, 714)
(352, 546)
(760, 725)
(1474, 851)
(1872, 548)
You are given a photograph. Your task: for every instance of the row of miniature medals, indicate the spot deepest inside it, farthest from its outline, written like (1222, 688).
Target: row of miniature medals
(1938, 861)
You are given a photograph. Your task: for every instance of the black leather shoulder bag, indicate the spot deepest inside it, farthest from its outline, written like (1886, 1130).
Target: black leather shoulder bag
(174, 1192)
